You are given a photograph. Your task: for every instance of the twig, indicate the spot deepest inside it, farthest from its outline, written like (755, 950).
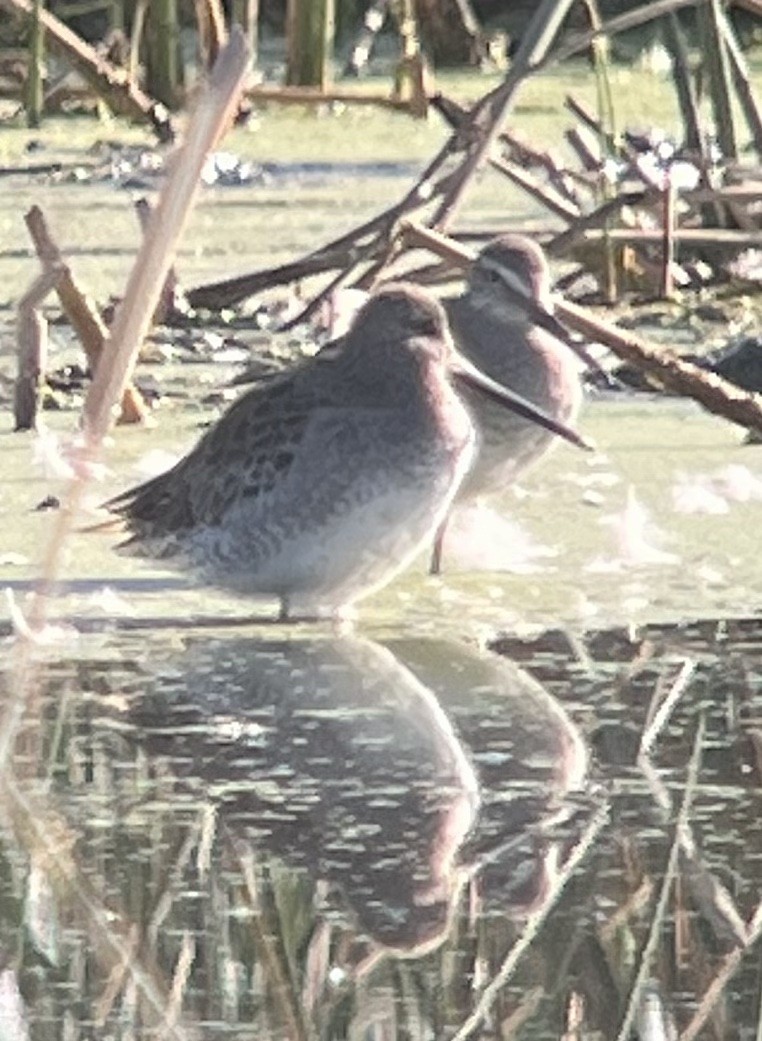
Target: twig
(532, 927)
(214, 111)
(681, 76)
(535, 44)
(32, 343)
(564, 241)
(710, 895)
(107, 80)
(43, 834)
(714, 991)
(652, 940)
(578, 42)
(663, 712)
(166, 302)
(179, 983)
(716, 64)
(546, 196)
(717, 395)
(81, 312)
(557, 199)
(268, 942)
(741, 79)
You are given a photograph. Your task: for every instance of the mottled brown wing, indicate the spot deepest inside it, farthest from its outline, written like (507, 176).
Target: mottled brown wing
(242, 455)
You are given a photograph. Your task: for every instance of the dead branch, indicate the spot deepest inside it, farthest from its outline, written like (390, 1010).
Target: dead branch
(717, 395)
(647, 12)
(682, 377)
(32, 345)
(166, 302)
(709, 238)
(714, 991)
(211, 117)
(81, 312)
(491, 112)
(547, 196)
(48, 840)
(212, 32)
(535, 920)
(109, 82)
(652, 942)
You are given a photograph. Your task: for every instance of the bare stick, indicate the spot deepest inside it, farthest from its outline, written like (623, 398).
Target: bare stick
(211, 118)
(564, 241)
(741, 79)
(681, 75)
(710, 238)
(717, 395)
(652, 941)
(45, 836)
(669, 215)
(714, 991)
(534, 46)
(32, 343)
(546, 196)
(212, 33)
(532, 927)
(664, 711)
(577, 42)
(214, 111)
(144, 211)
(710, 895)
(81, 312)
(107, 80)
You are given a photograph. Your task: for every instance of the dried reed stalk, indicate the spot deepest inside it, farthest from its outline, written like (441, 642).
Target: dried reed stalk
(213, 113)
(81, 311)
(652, 942)
(50, 843)
(715, 394)
(32, 345)
(535, 920)
(212, 116)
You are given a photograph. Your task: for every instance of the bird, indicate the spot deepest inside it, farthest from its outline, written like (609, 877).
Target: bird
(503, 323)
(319, 486)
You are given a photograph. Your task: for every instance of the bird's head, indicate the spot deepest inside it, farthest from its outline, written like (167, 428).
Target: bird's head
(510, 273)
(405, 318)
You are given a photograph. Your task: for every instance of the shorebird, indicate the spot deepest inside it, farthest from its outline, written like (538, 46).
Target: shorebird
(319, 486)
(504, 325)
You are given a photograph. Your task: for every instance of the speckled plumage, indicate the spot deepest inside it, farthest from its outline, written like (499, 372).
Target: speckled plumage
(320, 486)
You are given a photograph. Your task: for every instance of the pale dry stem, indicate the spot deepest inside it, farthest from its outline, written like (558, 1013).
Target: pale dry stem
(490, 993)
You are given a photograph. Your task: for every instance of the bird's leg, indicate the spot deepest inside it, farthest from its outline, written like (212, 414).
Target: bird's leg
(435, 564)
(283, 615)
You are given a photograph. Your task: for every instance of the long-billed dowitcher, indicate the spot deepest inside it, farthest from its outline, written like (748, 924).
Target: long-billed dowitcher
(503, 323)
(318, 487)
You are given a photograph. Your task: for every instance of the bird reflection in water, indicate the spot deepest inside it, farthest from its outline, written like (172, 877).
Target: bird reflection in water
(531, 761)
(334, 755)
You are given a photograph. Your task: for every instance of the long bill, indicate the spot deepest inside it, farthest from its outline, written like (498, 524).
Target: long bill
(545, 319)
(464, 372)
(548, 321)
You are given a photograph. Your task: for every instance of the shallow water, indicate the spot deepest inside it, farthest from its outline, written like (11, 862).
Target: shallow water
(285, 832)
(309, 834)
(589, 538)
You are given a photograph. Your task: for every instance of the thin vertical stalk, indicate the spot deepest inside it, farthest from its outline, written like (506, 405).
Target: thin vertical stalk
(35, 67)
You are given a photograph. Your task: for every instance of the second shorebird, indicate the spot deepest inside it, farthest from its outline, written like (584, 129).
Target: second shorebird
(503, 323)
(318, 487)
